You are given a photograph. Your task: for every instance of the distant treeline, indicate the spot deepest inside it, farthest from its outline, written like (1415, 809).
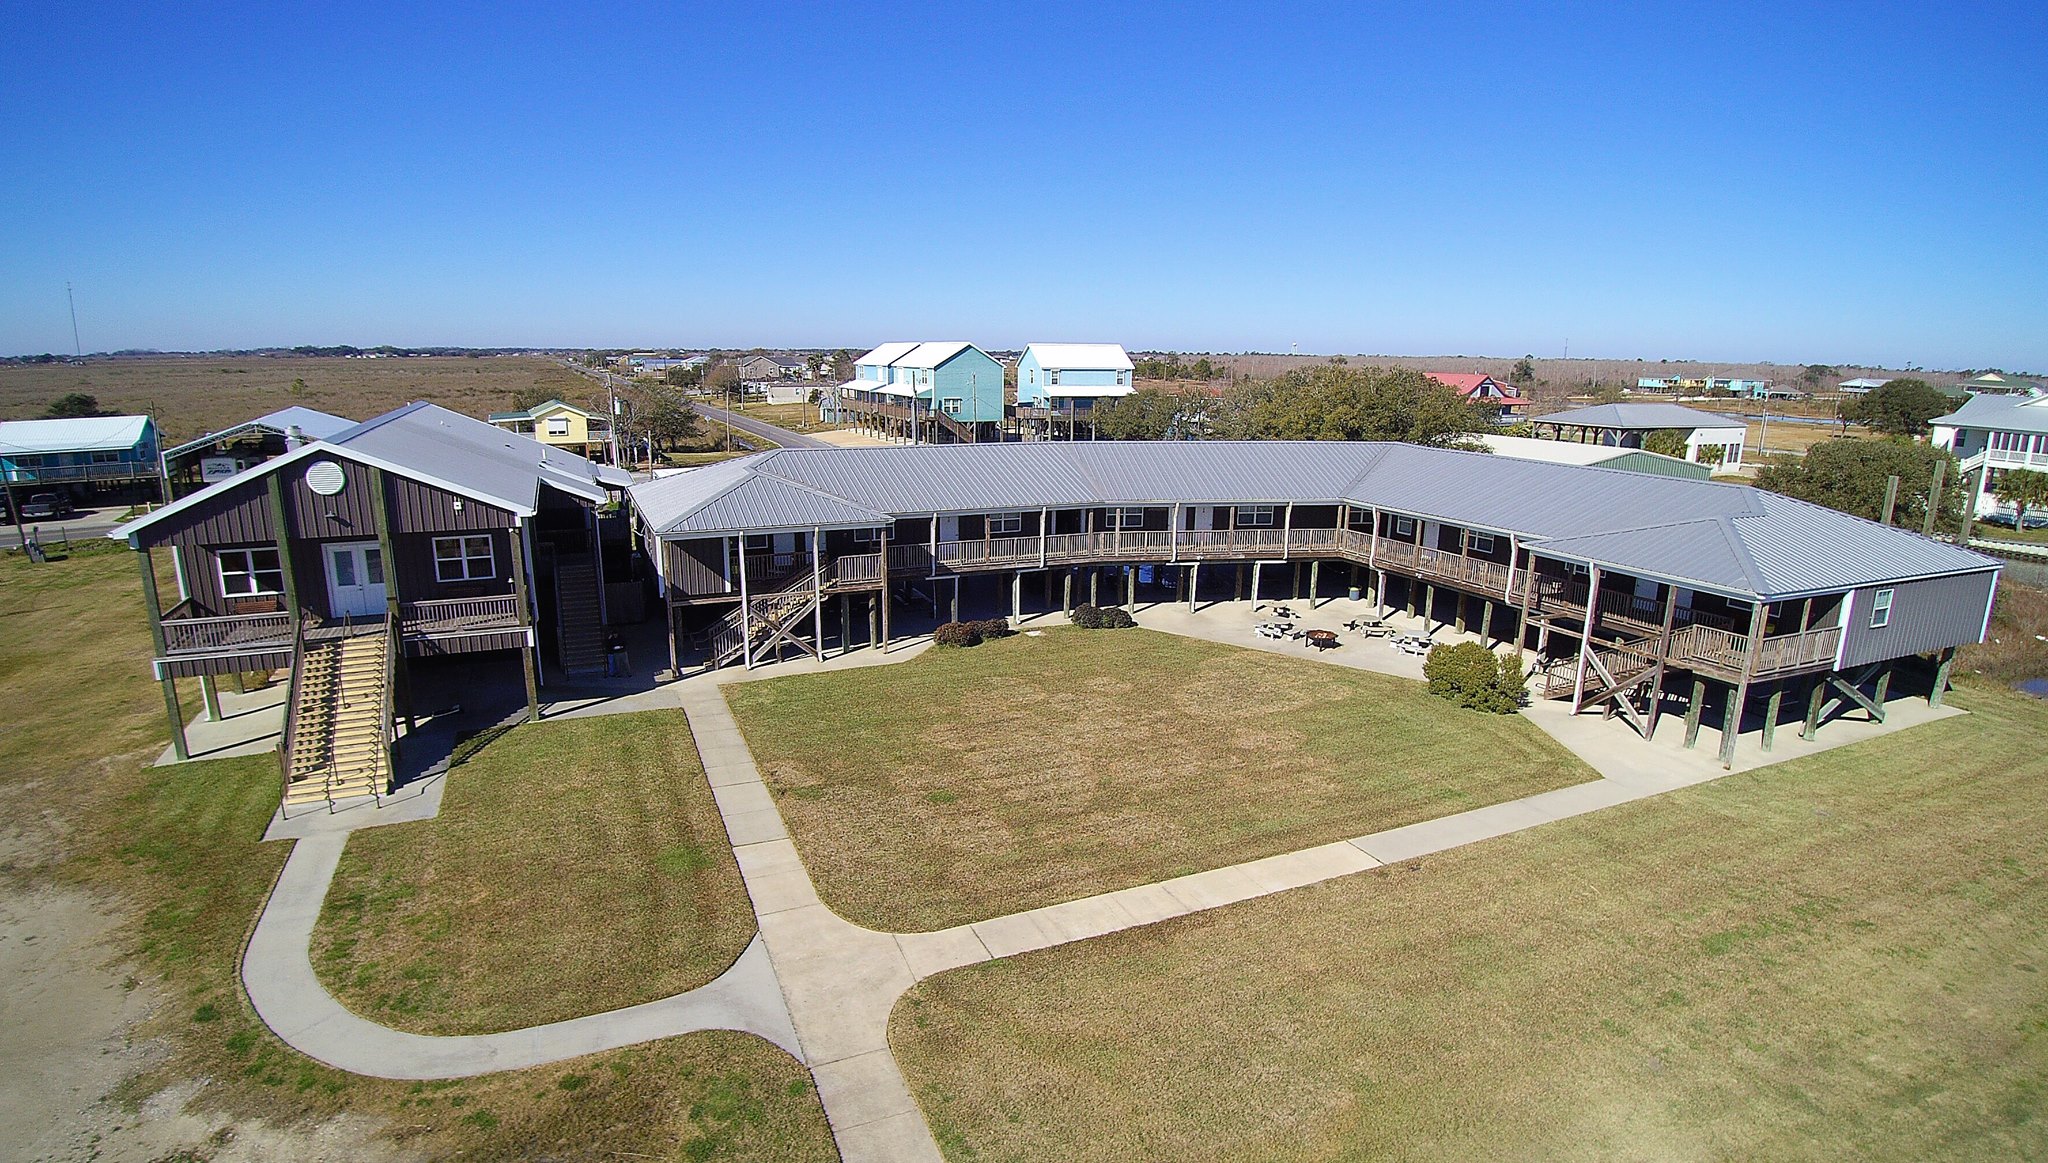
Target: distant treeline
(1172, 367)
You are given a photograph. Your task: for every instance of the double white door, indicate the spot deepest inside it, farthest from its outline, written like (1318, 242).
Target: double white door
(355, 579)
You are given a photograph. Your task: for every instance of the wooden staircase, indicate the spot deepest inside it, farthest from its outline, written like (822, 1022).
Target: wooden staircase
(773, 615)
(338, 727)
(579, 620)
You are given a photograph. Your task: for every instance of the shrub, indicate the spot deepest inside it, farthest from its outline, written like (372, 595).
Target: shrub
(1116, 618)
(1472, 676)
(1087, 617)
(993, 628)
(957, 634)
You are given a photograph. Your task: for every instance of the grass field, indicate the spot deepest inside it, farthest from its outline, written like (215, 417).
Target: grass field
(795, 417)
(970, 783)
(194, 395)
(1836, 958)
(576, 866)
(176, 851)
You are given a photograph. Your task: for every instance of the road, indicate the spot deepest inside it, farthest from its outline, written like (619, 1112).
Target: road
(84, 525)
(761, 428)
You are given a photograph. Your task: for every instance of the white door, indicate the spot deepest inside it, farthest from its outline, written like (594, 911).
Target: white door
(949, 529)
(355, 579)
(1204, 518)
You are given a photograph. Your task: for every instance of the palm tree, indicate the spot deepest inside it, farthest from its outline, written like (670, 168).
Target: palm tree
(2023, 489)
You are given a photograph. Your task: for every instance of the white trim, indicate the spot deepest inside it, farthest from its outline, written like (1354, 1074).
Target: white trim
(1882, 598)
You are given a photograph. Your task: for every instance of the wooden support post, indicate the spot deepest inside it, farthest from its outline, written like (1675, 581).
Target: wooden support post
(1046, 578)
(1379, 594)
(529, 652)
(882, 598)
(874, 621)
(1315, 577)
(955, 614)
(1692, 712)
(1973, 483)
(1771, 707)
(1731, 721)
(1891, 499)
(746, 609)
(1017, 595)
(1486, 621)
(1194, 586)
(1731, 728)
(1528, 593)
(675, 663)
(280, 535)
(1934, 498)
(1067, 593)
(1237, 574)
(154, 606)
(1663, 654)
(1294, 584)
(209, 695)
(1941, 669)
(1586, 629)
(845, 624)
(1131, 588)
(1459, 597)
(1255, 585)
(1884, 682)
(1095, 585)
(1815, 700)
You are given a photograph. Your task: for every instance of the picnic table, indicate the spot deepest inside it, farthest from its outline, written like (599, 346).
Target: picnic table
(1412, 644)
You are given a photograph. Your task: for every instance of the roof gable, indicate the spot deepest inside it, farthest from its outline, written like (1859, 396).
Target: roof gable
(75, 434)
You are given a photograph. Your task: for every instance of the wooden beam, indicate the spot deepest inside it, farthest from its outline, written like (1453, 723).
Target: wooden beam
(883, 604)
(1731, 721)
(1067, 593)
(1814, 707)
(1891, 499)
(209, 696)
(1255, 585)
(1771, 715)
(150, 600)
(1692, 712)
(1934, 498)
(527, 653)
(1586, 628)
(1941, 670)
(1315, 577)
(280, 534)
(1884, 682)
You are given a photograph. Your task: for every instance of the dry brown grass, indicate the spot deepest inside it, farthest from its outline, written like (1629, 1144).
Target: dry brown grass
(576, 867)
(1837, 958)
(177, 853)
(193, 395)
(970, 783)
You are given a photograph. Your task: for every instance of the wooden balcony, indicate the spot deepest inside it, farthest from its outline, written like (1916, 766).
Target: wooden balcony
(452, 616)
(187, 633)
(1724, 651)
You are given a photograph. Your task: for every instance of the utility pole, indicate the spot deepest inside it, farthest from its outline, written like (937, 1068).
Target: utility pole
(77, 348)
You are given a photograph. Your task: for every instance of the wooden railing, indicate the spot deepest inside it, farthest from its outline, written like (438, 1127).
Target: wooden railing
(1728, 651)
(1472, 572)
(460, 615)
(291, 711)
(233, 632)
(856, 568)
(1798, 651)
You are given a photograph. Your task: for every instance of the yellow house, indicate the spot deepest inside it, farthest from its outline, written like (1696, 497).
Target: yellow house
(561, 425)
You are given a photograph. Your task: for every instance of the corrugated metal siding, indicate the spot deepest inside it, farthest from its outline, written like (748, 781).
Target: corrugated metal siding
(350, 513)
(418, 582)
(229, 664)
(1927, 615)
(423, 508)
(693, 566)
(236, 516)
(467, 644)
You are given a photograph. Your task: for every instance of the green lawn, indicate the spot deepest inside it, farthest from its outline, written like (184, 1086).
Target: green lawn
(177, 851)
(576, 866)
(1840, 957)
(969, 783)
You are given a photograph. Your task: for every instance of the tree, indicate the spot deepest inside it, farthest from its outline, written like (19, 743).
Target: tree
(72, 406)
(1900, 408)
(723, 379)
(842, 365)
(679, 376)
(530, 397)
(1146, 414)
(1668, 441)
(1350, 403)
(1524, 371)
(1814, 374)
(1849, 475)
(2023, 489)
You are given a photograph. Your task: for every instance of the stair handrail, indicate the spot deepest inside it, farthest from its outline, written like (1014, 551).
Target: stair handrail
(291, 710)
(393, 643)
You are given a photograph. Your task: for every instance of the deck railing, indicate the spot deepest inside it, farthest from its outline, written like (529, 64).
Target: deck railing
(460, 615)
(186, 635)
(1729, 651)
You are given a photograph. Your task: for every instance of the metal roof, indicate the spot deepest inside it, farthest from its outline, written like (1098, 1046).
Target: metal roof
(887, 353)
(445, 449)
(1639, 417)
(316, 425)
(1728, 538)
(77, 434)
(1081, 356)
(2004, 413)
(539, 410)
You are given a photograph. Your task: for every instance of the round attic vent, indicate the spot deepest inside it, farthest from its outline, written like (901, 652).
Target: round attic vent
(325, 477)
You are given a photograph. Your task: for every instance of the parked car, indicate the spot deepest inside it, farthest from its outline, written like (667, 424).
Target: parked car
(46, 505)
(2035, 520)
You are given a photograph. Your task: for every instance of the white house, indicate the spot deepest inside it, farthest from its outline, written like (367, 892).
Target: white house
(2000, 433)
(1063, 382)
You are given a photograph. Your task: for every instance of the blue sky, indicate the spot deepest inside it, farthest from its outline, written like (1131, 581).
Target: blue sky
(1835, 183)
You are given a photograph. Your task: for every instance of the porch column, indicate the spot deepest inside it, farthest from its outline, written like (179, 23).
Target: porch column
(845, 624)
(881, 568)
(1255, 585)
(1586, 627)
(1095, 585)
(1486, 620)
(746, 609)
(1194, 585)
(1067, 593)
(1286, 530)
(1131, 588)
(1771, 707)
(1693, 707)
(675, 665)
(1941, 669)
(1663, 655)
(1379, 593)
(1017, 595)
(818, 593)
(280, 535)
(179, 749)
(528, 651)
(209, 694)
(394, 610)
(955, 614)
(1315, 576)
(1731, 726)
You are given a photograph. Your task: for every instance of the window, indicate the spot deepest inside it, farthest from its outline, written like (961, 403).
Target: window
(1404, 526)
(867, 536)
(1005, 524)
(950, 405)
(106, 458)
(1052, 377)
(1361, 519)
(759, 543)
(1479, 543)
(1881, 610)
(246, 572)
(1254, 516)
(1127, 518)
(463, 559)
(558, 426)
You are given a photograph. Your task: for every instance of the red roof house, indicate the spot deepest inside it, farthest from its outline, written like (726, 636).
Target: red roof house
(1484, 389)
